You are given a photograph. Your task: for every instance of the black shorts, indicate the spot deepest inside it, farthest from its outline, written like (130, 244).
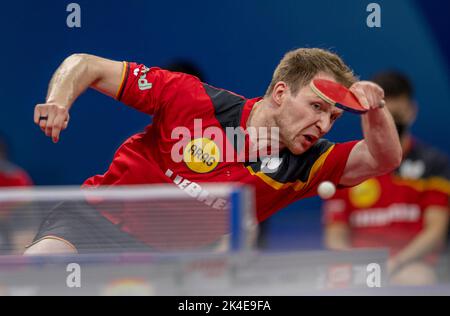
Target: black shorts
(86, 230)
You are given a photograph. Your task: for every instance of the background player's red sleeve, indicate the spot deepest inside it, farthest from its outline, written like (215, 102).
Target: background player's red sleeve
(434, 195)
(147, 89)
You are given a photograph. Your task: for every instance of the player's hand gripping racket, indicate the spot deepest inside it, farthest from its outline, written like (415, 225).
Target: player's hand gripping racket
(338, 95)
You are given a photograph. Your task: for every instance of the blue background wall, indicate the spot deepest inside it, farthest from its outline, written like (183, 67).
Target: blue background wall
(236, 43)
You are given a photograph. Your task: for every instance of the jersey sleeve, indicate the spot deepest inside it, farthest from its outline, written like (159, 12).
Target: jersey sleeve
(331, 166)
(147, 89)
(440, 168)
(437, 184)
(436, 192)
(434, 198)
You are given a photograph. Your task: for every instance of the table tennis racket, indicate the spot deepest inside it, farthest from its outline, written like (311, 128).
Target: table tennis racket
(338, 95)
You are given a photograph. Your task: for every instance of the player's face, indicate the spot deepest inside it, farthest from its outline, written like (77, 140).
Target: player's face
(305, 118)
(403, 111)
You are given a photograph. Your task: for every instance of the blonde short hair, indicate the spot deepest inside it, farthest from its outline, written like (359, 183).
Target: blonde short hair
(298, 68)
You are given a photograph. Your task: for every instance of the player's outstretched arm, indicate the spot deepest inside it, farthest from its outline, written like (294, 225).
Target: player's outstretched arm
(380, 152)
(72, 78)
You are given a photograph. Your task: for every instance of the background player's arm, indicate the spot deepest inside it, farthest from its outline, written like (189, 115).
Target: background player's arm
(432, 235)
(337, 236)
(380, 152)
(77, 73)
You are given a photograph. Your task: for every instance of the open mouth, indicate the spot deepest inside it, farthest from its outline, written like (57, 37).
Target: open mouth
(311, 139)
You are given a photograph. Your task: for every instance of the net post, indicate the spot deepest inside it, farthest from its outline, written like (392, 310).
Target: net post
(236, 220)
(243, 223)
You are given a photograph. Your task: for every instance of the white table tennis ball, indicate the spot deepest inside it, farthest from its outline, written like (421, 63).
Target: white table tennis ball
(326, 190)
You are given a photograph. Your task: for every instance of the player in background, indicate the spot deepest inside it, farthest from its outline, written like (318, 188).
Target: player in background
(405, 210)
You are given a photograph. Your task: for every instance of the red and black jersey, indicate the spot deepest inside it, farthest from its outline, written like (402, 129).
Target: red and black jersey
(177, 102)
(388, 211)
